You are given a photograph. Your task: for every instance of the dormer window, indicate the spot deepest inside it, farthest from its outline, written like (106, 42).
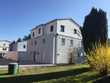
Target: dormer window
(39, 31)
(51, 28)
(75, 31)
(62, 28)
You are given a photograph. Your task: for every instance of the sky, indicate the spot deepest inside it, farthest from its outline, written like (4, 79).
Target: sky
(18, 17)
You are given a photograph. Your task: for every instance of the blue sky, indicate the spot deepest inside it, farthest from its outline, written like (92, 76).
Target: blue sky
(18, 17)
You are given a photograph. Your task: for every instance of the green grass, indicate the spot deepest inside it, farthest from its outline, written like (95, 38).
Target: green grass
(56, 74)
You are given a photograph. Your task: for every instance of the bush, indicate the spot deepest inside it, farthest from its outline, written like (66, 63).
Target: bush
(99, 59)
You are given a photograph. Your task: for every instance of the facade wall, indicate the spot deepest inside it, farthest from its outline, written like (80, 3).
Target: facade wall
(30, 50)
(35, 32)
(22, 46)
(67, 52)
(22, 52)
(43, 50)
(69, 28)
(23, 58)
(42, 46)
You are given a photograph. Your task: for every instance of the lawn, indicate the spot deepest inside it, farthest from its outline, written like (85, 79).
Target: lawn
(55, 74)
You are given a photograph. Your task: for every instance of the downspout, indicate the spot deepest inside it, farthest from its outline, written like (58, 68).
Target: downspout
(54, 48)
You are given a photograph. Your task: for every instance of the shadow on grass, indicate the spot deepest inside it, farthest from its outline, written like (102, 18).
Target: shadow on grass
(42, 77)
(105, 79)
(3, 74)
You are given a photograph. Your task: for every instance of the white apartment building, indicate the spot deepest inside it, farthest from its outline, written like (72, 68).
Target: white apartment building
(4, 47)
(56, 42)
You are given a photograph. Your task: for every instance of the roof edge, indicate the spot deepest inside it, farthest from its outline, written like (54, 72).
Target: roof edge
(56, 20)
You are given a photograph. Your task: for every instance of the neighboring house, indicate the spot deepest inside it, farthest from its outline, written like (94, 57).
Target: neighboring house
(19, 51)
(56, 42)
(4, 47)
(22, 53)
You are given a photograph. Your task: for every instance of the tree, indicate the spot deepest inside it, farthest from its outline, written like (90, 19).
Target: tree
(109, 42)
(27, 37)
(19, 40)
(11, 45)
(94, 29)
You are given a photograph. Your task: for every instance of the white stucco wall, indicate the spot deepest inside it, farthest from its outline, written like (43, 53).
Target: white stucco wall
(22, 46)
(69, 28)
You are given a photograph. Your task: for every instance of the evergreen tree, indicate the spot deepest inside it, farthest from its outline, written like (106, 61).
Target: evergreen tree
(27, 37)
(19, 40)
(94, 29)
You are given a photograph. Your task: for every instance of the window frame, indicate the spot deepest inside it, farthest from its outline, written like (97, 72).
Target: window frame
(24, 46)
(51, 28)
(33, 34)
(39, 31)
(71, 42)
(62, 28)
(75, 31)
(43, 40)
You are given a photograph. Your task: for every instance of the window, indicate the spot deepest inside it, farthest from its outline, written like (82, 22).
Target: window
(4, 49)
(24, 46)
(39, 31)
(35, 42)
(62, 28)
(33, 34)
(34, 53)
(63, 41)
(75, 31)
(51, 28)
(4, 44)
(71, 42)
(43, 40)
(38, 53)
